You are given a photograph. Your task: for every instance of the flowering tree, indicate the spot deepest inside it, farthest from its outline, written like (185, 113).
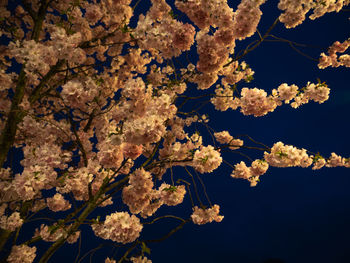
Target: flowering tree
(99, 100)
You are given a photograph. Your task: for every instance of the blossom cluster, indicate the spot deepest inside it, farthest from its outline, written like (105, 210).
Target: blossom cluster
(206, 159)
(54, 232)
(287, 156)
(258, 167)
(22, 254)
(202, 216)
(119, 227)
(332, 59)
(172, 195)
(58, 203)
(141, 198)
(258, 103)
(295, 11)
(161, 34)
(140, 259)
(139, 193)
(12, 222)
(225, 138)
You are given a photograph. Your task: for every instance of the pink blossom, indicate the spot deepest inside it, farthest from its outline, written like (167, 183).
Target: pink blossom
(256, 102)
(172, 195)
(132, 150)
(332, 59)
(140, 259)
(287, 156)
(108, 260)
(12, 222)
(335, 160)
(22, 254)
(58, 203)
(247, 18)
(93, 13)
(242, 171)
(119, 227)
(202, 216)
(223, 137)
(206, 159)
(319, 163)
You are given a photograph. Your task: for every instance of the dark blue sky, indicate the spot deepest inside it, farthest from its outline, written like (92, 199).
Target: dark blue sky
(294, 214)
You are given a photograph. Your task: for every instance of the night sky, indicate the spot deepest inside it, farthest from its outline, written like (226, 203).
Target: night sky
(293, 214)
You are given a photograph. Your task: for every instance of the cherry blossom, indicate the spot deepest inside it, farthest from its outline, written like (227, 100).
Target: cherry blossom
(119, 227)
(22, 254)
(96, 96)
(202, 216)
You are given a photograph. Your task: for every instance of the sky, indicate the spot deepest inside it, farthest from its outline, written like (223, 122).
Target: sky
(293, 214)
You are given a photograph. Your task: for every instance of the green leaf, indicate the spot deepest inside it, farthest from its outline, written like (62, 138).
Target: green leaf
(125, 29)
(317, 157)
(171, 188)
(171, 13)
(249, 78)
(145, 249)
(282, 154)
(204, 160)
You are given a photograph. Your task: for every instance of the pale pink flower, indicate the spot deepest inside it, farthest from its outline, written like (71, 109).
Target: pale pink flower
(58, 203)
(140, 259)
(256, 102)
(206, 159)
(47, 233)
(319, 163)
(132, 150)
(247, 18)
(236, 144)
(241, 171)
(93, 13)
(286, 92)
(318, 93)
(108, 260)
(73, 237)
(212, 55)
(172, 195)
(12, 222)
(295, 11)
(287, 156)
(259, 167)
(335, 160)
(202, 216)
(119, 227)
(137, 194)
(223, 137)
(22, 254)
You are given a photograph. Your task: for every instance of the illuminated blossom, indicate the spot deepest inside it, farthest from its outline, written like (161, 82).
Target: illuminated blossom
(12, 222)
(172, 195)
(206, 159)
(223, 137)
(22, 254)
(140, 259)
(202, 216)
(332, 59)
(119, 227)
(287, 156)
(58, 203)
(108, 260)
